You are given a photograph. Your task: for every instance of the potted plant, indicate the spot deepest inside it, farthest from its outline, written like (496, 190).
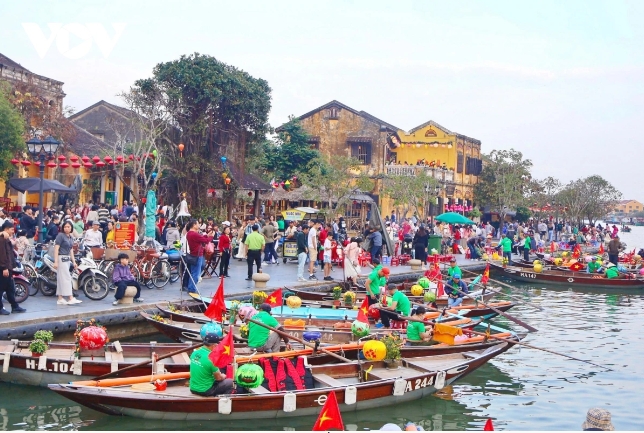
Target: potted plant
(337, 294)
(258, 298)
(46, 336)
(393, 356)
(37, 348)
(349, 298)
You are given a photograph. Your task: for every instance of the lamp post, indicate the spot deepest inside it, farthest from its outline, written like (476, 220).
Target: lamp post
(41, 151)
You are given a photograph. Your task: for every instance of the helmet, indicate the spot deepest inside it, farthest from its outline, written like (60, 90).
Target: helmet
(177, 244)
(211, 338)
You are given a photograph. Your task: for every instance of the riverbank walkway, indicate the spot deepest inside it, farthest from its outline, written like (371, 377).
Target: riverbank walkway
(42, 309)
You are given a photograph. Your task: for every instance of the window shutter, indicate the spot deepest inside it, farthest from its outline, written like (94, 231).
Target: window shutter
(459, 163)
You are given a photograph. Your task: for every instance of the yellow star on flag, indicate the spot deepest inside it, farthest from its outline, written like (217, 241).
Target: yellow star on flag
(272, 300)
(226, 350)
(325, 418)
(364, 310)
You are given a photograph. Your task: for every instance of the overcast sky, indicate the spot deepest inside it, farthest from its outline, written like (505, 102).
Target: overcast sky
(560, 81)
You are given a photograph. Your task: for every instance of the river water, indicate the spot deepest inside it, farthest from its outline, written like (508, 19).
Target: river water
(523, 389)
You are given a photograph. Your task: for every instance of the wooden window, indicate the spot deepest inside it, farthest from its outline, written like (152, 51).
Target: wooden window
(361, 152)
(333, 112)
(459, 162)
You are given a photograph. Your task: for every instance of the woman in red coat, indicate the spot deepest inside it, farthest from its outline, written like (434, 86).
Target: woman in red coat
(224, 252)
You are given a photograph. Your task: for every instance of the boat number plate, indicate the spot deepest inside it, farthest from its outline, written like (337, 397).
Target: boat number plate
(419, 383)
(528, 275)
(55, 367)
(570, 280)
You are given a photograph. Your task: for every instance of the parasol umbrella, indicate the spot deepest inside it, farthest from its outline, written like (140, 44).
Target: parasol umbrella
(150, 214)
(32, 184)
(453, 218)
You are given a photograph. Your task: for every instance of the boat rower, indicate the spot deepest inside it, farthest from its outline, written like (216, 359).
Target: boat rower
(419, 334)
(593, 267)
(399, 305)
(453, 268)
(611, 271)
(452, 288)
(262, 339)
(376, 279)
(205, 378)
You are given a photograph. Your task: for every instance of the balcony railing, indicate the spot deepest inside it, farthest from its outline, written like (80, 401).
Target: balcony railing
(414, 170)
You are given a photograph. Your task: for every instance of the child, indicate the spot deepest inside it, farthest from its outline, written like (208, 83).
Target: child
(21, 242)
(327, 258)
(123, 278)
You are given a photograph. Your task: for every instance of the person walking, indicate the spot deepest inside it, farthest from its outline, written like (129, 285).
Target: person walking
(376, 244)
(302, 252)
(196, 243)
(255, 243)
(312, 244)
(7, 263)
(63, 259)
(224, 246)
(268, 231)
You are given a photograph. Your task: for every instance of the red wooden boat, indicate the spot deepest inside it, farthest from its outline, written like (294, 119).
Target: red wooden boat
(569, 278)
(357, 386)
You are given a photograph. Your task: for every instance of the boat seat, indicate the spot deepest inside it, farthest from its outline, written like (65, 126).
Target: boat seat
(181, 358)
(325, 379)
(259, 390)
(113, 356)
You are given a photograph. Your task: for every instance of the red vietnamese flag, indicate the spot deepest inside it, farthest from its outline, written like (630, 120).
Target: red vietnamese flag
(576, 267)
(601, 248)
(486, 274)
(440, 289)
(224, 353)
(217, 307)
(275, 298)
(552, 247)
(488, 425)
(330, 416)
(364, 309)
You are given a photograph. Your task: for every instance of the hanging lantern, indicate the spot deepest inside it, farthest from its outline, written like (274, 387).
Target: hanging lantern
(143, 200)
(51, 164)
(294, 178)
(100, 164)
(426, 145)
(131, 157)
(287, 185)
(154, 153)
(112, 162)
(63, 165)
(96, 159)
(88, 165)
(449, 145)
(25, 163)
(436, 144)
(85, 158)
(181, 147)
(442, 144)
(92, 338)
(250, 194)
(76, 164)
(224, 175)
(418, 144)
(227, 181)
(120, 158)
(374, 350)
(73, 158)
(14, 161)
(37, 163)
(61, 158)
(223, 160)
(108, 159)
(154, 175)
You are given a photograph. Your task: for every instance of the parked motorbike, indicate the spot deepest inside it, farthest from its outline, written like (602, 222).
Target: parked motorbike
(407, 246)
(86, 276)
(21, 284)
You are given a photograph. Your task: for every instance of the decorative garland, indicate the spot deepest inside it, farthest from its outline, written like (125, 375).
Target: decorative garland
(80, 325)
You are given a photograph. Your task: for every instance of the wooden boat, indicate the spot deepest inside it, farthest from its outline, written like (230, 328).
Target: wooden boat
(626, 229)
(330, 331)
(357, 386)
(193, 313)
(569, 278)
(441, 301)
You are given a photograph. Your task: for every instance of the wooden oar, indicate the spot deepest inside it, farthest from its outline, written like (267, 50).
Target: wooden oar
(141, 364)
(508, 286)
(512, 318)
(299, 340)
(500, 283)
(516, 342)
(516, 298)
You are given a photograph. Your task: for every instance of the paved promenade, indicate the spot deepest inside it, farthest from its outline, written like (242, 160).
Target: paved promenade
(44, 309)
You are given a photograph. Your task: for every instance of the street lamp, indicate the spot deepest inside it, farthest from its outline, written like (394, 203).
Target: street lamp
(42, 150)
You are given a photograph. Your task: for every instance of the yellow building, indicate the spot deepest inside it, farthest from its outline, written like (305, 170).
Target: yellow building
(452, 158)
(628, 206)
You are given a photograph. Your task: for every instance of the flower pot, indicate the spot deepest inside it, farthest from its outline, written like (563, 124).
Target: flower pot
(336, 303)
(36, 355)
(348, 304)
(393, 364)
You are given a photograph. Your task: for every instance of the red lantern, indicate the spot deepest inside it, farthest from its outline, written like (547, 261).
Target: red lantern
(250, 194)
(143, 200)
(63, 165)
(111, 162)
(61, 158)
(37, 163)
(51, 164)
(92, 338)
(88, 165)
(374, 313)
(100, 163)
(96, 159)
(14, 161)
(108, 159)
(73, 158)
(75, 164)
(227, 181)
(131, 157)
(85, 158)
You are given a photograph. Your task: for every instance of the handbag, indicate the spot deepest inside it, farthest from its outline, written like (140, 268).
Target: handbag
(190, 259)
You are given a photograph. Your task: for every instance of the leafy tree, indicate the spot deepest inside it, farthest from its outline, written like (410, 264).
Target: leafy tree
(523, 214)
(216, 110)
(504, 181)
(289, 153)
(11, 134)
(331, 181)
(589, 198)
(543, 193)
(408, 192)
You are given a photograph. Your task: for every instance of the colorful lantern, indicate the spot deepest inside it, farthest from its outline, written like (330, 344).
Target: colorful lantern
(154, 153)
(227, 181)
(61, 158)
(293, 302)
(538, 267)
(416, 290)
(100, 164)
(85, 158)
(96, 159)
(224, 175)
(423, 282)
(374, 350)
(88, 165)
(108, 159)
(181, 147)
(374, 313)
(76, 164)
(73, 158)
(154, 175)
(249, 376)
(92, 338)
(250, 194)
(429, 296)
(51, 164)
(120, 158)
(359, 329)
(63, 165)
(14, 161)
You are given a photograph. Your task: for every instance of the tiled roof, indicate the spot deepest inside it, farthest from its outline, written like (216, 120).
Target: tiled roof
(85, 143)
(6, 61)
(122, 111)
